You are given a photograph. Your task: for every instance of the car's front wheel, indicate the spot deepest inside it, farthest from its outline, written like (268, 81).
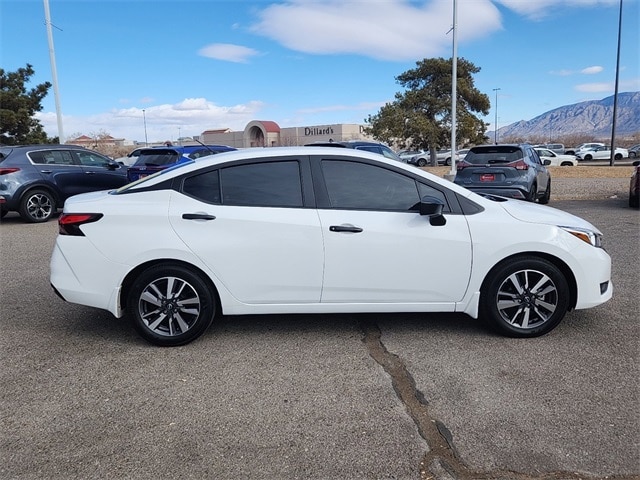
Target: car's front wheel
(422, 162)
(524, 297)
(618, 156)
(171, 305)
(37, 206)
(588, 157)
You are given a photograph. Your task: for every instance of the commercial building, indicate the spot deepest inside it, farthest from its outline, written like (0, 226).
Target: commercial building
(265, 133)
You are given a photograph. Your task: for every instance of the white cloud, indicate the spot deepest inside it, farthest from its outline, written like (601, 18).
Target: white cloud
(389, 30)
(595, 87)
(228, 52)
(537, 9)
(189, 117)
(591, 70)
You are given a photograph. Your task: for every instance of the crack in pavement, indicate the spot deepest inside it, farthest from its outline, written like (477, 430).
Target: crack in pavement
(442, 461)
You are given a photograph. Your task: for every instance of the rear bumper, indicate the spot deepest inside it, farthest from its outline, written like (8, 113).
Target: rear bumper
(510, 192)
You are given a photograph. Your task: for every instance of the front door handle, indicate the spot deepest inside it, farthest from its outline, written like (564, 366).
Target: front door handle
(198, 216)
(345, 228)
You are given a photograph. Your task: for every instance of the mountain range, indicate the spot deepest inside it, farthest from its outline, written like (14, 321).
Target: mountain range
(593, 117)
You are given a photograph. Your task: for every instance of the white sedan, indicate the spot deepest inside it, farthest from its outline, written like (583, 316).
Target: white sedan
(602, 153)
(320, 230)
(555, 159)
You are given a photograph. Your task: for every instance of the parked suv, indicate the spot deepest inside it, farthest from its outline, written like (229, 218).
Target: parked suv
(374, 147)
(35, 180)
(507, 170)
(153, 159)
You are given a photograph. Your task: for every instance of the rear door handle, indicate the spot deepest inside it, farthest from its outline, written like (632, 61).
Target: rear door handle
(198, 216)
(345, 228)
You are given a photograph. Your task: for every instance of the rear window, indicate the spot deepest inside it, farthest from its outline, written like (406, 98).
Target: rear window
(156, 158)
(494, 154)
(4, 153)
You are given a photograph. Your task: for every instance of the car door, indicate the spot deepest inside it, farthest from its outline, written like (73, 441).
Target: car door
(379, 249)
(60, 169)
(100, 172)
(249, 223)
(542, 174)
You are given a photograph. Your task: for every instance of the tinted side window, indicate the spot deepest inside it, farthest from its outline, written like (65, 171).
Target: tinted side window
(269, 184)
(205, 187)
(428, 191)
(91, 159)
(51, 157)
(367, 187)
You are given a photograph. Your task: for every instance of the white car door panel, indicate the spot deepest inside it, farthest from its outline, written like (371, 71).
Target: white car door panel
(394, 257)
(261, 254)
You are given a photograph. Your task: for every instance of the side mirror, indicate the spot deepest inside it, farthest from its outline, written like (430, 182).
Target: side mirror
(547, 162)
(432, 208)
(112, 165)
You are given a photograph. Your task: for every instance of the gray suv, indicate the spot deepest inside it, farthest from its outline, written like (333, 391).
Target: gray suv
(35, 180)
(514, 171)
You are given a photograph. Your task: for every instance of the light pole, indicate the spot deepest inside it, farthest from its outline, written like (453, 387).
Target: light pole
(615, 94)
(144, 120)
(495, 131)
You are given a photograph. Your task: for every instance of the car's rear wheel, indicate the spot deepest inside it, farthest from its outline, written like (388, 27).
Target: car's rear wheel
(533, 193)
(37, 206)
(618, 156)
(544, 199)
(171, 305)
(447, 162)
(524, 297)
(634, 201)
(422, 162)
(3, 213)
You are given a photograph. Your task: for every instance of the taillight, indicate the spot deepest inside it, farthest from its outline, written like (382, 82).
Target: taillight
(70, 223)
(4, 171)
(462, 164)
(519, 165)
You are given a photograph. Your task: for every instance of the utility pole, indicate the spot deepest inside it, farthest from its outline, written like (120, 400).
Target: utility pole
(495, 130)
(54, 72)
(615, 95)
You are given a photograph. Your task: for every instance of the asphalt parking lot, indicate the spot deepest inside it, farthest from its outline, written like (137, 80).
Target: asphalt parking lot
(318, 397)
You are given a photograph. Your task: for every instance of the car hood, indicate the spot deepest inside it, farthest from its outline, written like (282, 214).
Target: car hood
(534, 213)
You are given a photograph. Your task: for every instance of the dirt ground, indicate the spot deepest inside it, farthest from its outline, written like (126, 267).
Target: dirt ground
(581, 171)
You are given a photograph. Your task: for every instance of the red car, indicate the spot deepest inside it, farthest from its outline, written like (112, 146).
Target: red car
(634, 186)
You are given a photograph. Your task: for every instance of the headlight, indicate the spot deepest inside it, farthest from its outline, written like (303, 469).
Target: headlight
(592, 238)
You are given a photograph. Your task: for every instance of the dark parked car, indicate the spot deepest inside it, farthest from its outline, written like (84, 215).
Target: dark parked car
(514, 171)
(374, 147)
(634, 186)
(35, 180)
(153, 159)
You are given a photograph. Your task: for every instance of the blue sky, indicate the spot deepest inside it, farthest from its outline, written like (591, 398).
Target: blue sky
(211, 64)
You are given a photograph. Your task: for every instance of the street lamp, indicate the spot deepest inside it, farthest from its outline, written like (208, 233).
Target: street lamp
(144, 119)
(495, 131)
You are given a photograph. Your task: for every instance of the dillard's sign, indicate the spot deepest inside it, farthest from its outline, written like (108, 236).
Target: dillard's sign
(309, 131)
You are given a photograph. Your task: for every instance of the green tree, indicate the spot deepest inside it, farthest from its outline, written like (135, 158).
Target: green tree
(420, 116)
(18, 106)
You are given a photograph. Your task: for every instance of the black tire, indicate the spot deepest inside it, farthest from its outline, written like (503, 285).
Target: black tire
(422, 162)
(37, 206)
(171, 305)
(588, 157)
(566, 164)
(3, 213)
(447, 162)
(547, 195)
(632, 154)
(617, 156)
(524, 297)
(533, 193)
(634, 201)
